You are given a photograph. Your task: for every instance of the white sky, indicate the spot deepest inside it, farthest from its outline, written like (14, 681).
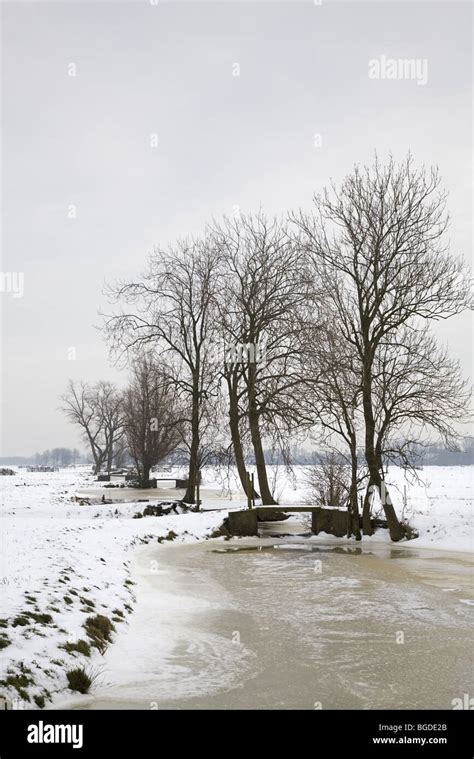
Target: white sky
(223, 141)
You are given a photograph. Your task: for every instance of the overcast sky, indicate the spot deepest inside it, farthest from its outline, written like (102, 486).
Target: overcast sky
(223, 140)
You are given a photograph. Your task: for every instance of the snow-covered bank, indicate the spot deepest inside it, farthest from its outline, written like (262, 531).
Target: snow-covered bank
(63, 562)
(439, 506)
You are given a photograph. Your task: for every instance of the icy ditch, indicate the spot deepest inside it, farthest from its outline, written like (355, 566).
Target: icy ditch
(282, 624)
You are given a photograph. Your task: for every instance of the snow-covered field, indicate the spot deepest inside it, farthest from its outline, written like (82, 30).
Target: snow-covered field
(63, 562)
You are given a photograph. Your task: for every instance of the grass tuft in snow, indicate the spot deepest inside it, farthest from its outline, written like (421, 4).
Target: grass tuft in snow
(20, 682)
(170, 536)
(99, 630)
(43, 619)
(81, 647)
(27, 617)
(87, 602)
(79, 680)
(20, 621)
(4, 640)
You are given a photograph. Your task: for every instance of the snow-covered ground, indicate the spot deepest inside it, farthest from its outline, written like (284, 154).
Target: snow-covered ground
(63, 561)
(68, 561)
(439, 506)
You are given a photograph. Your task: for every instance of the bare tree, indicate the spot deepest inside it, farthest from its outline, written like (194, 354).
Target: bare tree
(334, 401)
(329, 480)
(169, 311)
(96, 409)
(418, 389)
(264, 287)
(110, 408)
(229, 359)
(237, 413)
(378, 243)
(151, 417)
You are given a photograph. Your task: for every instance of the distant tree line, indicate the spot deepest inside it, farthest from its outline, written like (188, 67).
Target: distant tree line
(461, 455)
(61, 457)
(268, 332)
(428, 455)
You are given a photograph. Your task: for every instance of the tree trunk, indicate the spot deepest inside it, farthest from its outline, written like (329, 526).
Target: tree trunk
(98, 461)
(95, 455)
(145, 478)
(385, 496)
(394, 524)
(265, 493)
(395, 528)
(110, 457)
(353, 499)
(253, 417)
(190, 495)
(366, 524)
(237, 442)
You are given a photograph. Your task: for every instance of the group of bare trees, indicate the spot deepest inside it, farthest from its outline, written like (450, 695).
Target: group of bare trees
(141, 422)
(150, 417)
(96, 409)
(171, 317)
(377, 243)
(266, 331)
